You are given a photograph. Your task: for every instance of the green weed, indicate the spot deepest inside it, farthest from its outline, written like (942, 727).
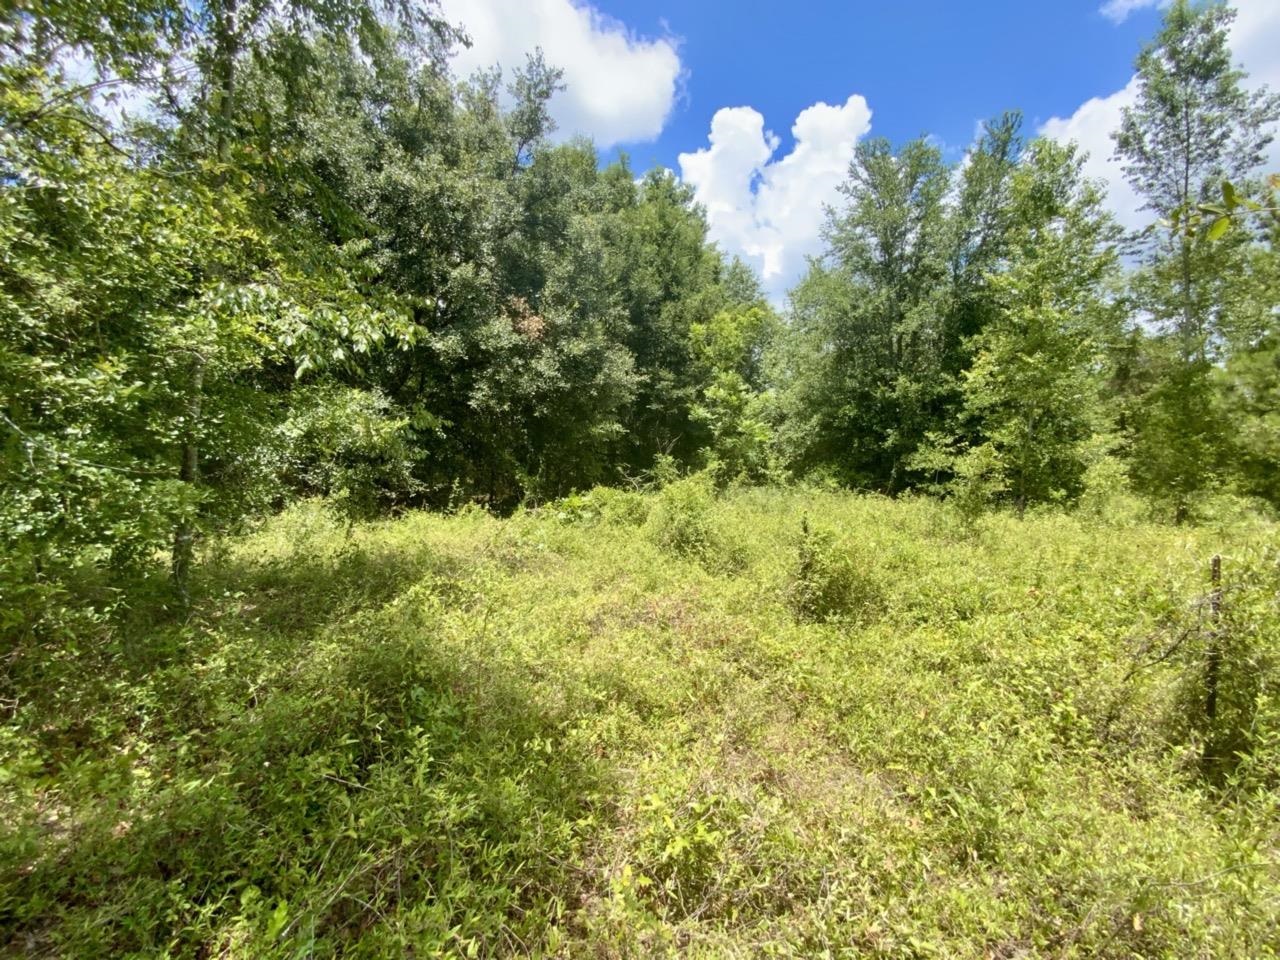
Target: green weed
(554, 735)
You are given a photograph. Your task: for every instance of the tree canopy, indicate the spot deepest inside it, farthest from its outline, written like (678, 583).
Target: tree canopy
(318, 263)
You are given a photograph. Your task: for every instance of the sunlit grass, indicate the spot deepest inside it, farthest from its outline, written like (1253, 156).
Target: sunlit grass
(769, 721)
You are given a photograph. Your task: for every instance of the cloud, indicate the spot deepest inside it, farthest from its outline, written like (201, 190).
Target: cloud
(767, 209)
(1255, 40)
(620, 87)
(1255, 44)
(1117, 11)
(1090, 126)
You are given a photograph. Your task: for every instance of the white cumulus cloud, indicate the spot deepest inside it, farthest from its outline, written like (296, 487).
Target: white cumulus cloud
(1118, 10)
(769, 209)
(620, 87)
(1255, 45)
(1090, 126)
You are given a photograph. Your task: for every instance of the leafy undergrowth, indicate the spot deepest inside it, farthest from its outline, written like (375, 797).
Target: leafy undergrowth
(771, 722)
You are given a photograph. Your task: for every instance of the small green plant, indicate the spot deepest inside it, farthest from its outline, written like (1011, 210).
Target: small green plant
(628, 508)
(682, 847)
(829, 581)
(1107, 495)
(608, 505)
(680, 521)
(979, 480)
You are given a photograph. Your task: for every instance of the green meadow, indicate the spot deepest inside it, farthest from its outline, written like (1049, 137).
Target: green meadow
(754, 722)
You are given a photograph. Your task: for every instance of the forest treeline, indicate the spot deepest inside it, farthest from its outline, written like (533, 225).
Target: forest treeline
(318, 263)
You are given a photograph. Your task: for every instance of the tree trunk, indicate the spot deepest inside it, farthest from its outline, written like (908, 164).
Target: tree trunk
(226, 47)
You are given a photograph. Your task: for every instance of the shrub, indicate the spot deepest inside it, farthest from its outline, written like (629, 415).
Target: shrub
(624, 507)
(1107, 495)
(680, 521)
(979, 480)
(603, 505)
(830, 581)
(349, 446)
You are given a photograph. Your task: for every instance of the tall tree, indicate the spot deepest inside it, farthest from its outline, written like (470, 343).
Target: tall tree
(980, 224)
(196, 319)
(1033, 392)
(1193, 124)
(668, 278)
(730, 353)
(867, 376)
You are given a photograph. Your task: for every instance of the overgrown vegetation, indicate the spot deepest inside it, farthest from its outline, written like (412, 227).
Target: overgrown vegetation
(311, 261)
(558, 734)
(417, 539)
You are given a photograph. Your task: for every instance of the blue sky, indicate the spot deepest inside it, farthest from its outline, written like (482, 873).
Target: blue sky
(758, 106)
(924, 66)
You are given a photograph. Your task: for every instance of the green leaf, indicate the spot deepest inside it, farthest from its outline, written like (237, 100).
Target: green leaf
(276, 921)
(1218, 228)
(1229, 195)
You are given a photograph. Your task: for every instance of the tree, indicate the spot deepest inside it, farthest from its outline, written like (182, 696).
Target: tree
(1250, 384)
(730, 353)
(1033, 392)
(153, 331)
(114, 279)
(668, 280)
(1192, 126)
(451, 198)
(981, 221)
(1249, 380)
(866, 375)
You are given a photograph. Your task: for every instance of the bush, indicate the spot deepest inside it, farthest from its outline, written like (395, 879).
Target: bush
(680, 520)
(979, 480)
(1107, 495)
(830, 580)
(350, 446)
(603, 505)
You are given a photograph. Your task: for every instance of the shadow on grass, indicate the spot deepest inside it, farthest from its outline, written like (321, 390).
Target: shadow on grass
(319, 775)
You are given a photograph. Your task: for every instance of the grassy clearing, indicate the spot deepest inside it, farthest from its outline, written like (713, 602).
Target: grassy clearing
(768, 723)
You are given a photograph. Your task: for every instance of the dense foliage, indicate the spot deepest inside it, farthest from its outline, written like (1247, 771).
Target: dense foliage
(316, 266)
(668, 723)
(303, 258)
(261, 259)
